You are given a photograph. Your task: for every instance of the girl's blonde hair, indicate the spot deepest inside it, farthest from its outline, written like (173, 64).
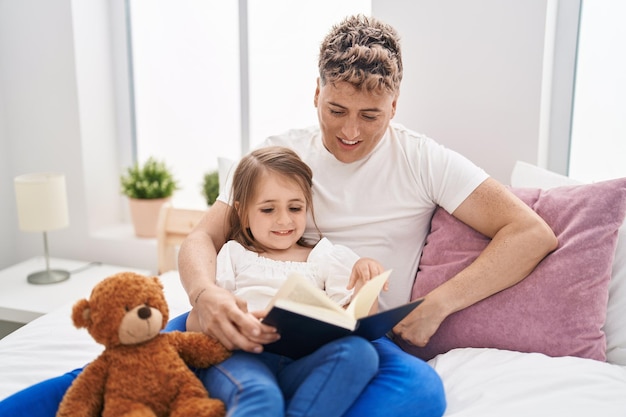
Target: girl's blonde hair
(275, 159)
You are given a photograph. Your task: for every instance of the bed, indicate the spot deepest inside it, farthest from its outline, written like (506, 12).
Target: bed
(553, 347)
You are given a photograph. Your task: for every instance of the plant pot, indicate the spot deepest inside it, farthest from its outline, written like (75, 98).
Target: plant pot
(144, 214)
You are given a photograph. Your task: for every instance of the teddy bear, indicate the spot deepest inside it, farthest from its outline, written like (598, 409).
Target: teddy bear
(141, 371)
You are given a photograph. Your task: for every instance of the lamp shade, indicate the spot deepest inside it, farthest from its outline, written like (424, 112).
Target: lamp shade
(41, 201)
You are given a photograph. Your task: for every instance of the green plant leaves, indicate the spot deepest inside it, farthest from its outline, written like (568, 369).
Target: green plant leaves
(151, 180)
(211, 187)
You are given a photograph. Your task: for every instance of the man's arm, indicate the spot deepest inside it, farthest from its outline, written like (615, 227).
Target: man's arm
(216, 311)
(520, 239)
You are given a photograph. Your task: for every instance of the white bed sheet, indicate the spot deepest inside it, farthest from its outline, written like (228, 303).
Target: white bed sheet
(498, 383)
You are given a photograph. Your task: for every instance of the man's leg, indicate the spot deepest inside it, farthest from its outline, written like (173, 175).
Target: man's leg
(41, 400)
(177, 323)
(404, 386)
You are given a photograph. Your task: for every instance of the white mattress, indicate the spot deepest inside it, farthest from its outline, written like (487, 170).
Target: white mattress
(478, 382)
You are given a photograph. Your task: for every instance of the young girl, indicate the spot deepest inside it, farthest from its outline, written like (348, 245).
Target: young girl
(271, 195)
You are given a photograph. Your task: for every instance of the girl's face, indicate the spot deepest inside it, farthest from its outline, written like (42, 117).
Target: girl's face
(277, 213)
(352, 121)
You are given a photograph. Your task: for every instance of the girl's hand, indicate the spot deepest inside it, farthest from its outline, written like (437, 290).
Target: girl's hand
(363, 270)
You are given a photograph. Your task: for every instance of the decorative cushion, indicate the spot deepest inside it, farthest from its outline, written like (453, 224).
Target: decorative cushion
(529, 175)
(560, 308)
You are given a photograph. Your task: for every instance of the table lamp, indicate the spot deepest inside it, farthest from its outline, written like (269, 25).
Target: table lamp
(41, 207)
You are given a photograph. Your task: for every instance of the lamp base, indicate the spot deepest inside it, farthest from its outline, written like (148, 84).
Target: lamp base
(50, 276)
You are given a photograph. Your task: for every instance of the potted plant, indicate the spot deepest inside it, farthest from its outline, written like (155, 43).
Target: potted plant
(147, 187)
(211, 187)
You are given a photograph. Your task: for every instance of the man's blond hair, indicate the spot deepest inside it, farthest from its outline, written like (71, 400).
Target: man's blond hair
(364, 52)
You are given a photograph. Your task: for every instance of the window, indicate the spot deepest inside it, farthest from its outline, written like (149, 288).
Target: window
(186, 86)
(192, 104)
(598, 141)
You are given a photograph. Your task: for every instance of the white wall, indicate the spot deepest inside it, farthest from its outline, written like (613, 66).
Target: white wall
(472, 81)
(7, 219)
(473, 73)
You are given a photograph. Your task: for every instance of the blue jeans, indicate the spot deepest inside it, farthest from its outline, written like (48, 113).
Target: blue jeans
(325, 383)
(404, 386)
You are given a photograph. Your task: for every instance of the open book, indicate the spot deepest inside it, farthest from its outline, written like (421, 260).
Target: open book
(307, 318)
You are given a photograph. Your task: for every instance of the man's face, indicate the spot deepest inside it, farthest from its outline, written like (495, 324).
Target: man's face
(352, 121)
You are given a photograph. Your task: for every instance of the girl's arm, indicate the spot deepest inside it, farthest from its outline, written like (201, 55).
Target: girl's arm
(216, 311)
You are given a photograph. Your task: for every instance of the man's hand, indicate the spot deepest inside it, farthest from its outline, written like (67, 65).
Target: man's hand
(220, 314)
(418, 327)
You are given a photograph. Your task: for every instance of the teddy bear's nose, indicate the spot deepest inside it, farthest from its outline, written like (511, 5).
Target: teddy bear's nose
(144, 313)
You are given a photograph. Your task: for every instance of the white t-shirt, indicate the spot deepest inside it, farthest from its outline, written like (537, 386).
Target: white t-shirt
(381, 206)
(256, 279)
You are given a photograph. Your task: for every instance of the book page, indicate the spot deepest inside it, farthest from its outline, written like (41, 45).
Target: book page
(298, 289)
(362, 302)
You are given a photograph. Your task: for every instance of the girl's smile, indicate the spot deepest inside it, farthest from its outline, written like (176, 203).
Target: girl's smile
(277, 215)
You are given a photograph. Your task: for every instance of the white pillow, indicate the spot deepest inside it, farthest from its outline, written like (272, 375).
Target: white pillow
(531, 176)
(224, 166)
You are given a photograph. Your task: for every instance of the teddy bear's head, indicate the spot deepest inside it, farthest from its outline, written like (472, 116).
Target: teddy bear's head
(124, 309)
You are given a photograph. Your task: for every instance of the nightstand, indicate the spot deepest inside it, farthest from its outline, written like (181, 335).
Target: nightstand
(21, 302)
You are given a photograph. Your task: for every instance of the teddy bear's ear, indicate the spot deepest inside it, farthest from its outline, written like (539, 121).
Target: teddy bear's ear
(81, 314)
(158, 281)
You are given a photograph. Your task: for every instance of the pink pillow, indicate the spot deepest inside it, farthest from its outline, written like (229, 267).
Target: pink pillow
(560, 308)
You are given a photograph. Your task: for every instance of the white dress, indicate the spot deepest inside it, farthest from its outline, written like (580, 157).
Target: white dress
(256, 279)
